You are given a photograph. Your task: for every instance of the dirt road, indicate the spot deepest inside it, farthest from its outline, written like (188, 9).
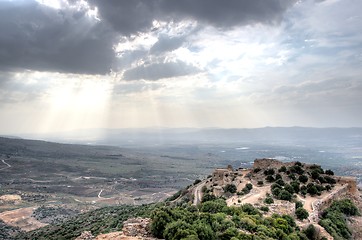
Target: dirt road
(7, 165)
(197, 193)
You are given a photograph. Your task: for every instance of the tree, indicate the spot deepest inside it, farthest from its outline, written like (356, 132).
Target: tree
(301, 213)
(270, 178)
(311, 232)
(292, 176)
(264, 208)
(203, 230)
(312, 190)
(315, 174)
(298, 204)
(289, 188)
(178, 230)
(329, 172)
(276, 191)
(208, 197)
(249, 186)
(282, 169)
(303, 178)
(159, 221)
(197, 181)
(215, 206)
(269, 171)
(249, 209)
(280, 182)
(330, 180)
(256, 170)
(296, 169)
(295, 185)
(297, 163)
(268, 200)
(231, 188)
(285, 195)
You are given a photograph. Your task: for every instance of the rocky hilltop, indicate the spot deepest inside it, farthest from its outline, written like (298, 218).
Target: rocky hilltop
(300, 190)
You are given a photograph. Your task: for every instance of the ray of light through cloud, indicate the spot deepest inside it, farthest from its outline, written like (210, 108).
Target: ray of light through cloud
(80, 64)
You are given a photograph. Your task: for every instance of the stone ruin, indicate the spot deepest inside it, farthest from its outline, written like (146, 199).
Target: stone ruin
(133, 229)
(221, 175)
(137, 227)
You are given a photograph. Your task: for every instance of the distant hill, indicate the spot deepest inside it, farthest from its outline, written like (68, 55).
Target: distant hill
(280, 135)
(9, 136)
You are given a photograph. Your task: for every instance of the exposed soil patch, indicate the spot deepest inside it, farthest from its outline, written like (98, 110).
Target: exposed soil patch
(21, 218)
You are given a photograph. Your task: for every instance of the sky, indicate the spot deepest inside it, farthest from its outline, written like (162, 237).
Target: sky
(77, 64)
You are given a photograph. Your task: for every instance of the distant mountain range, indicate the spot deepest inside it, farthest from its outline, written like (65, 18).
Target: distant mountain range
(164, 136)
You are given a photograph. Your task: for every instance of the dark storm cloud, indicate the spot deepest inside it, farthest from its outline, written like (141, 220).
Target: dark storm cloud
(228, 13)
(36, 37)
(158, 71)
(129, 17)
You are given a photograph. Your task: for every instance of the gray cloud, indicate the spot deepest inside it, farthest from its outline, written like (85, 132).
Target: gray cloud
(14, 89)
(37, 37)
(129, 17)
(135, 87)
(337, 93)
(166, 44)
(158, 71)
(228, 13)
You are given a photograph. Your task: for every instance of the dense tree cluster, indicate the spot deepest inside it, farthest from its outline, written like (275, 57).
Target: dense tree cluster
(103, 220)
(214, 220)
(282, 191)
(8, 232)
(299, 179)
(334, 219)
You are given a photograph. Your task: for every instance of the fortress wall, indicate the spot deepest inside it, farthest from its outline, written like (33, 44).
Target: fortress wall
(350, 181)
(266, 163)
(335, 195)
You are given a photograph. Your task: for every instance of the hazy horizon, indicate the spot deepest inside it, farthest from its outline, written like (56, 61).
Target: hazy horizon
(67, 65)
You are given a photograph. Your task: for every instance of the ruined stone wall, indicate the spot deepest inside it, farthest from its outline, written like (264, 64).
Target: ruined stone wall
(221, 176)
(266, 163)
(350, 181)
(335, 195)
(282, 208)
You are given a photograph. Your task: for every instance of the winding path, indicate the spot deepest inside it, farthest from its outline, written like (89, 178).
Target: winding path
(99, 194)
(7, 165)
(197, 193)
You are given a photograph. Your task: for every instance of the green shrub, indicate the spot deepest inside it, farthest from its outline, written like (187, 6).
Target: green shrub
(264, 208)
(303, 178)
(268, 200)
(230, 188)
(270, 178)
(298, 204)
(301, 213)
(282, 169)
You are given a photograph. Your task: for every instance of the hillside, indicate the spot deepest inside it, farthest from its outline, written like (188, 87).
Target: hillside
(272, 200)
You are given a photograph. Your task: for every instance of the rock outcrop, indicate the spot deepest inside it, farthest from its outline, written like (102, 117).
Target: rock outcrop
(133, 229)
